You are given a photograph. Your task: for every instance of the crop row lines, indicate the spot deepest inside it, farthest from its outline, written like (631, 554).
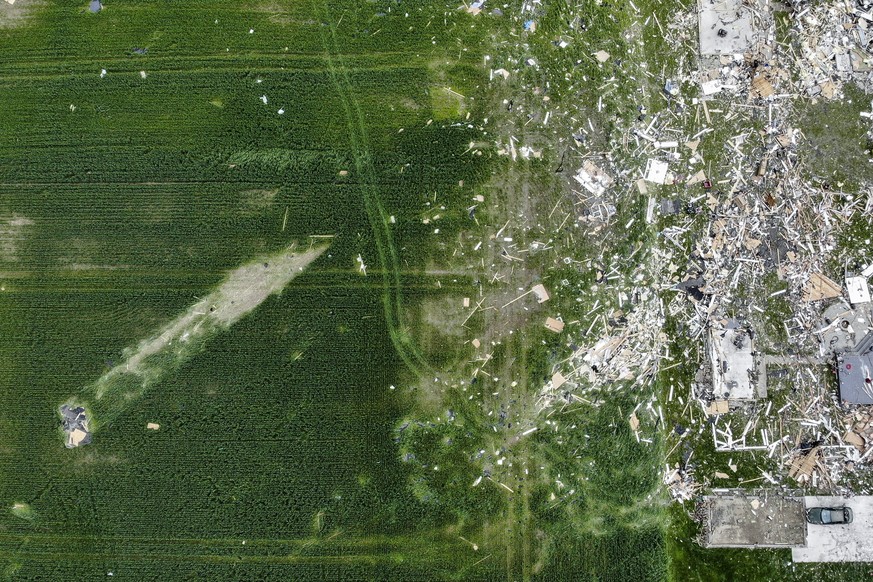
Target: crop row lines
(68, 75)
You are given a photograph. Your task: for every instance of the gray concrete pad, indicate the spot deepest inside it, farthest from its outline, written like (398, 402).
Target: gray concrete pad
(839, 543)
(733, 364)
(843, 327)
(764, 521)
(734, 19)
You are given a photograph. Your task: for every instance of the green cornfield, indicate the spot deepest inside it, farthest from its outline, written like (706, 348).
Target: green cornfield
(145, 151)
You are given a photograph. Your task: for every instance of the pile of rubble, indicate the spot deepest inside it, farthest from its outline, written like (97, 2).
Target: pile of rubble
(623, 347)
(859, 432)
(680, 483)
(834, 39)
(74, 420)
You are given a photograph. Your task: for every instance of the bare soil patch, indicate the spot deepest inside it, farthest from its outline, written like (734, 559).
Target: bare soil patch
(13, 15)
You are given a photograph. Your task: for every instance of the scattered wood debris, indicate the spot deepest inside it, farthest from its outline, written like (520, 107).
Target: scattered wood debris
(804, 464)
(541, 294)
(718, 407)
(820, 287)
(681, 484)
(555, 325)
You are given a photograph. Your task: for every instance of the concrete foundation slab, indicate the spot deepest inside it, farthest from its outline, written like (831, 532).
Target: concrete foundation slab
(747, 521)
(733, 364)
(726, 27)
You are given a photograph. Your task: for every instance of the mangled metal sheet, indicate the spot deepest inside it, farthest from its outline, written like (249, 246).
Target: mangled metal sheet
(856, 378)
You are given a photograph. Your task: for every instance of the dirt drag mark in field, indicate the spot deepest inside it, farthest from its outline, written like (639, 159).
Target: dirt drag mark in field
(13, 230)
(12, 15)
(243, 290)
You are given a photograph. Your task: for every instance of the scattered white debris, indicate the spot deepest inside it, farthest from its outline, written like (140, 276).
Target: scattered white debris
(858, 290)
(593, 178)
(711, 87)
(656, 171)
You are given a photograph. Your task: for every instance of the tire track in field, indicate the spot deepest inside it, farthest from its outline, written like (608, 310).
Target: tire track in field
(423, 286)
(378, 218)
(216, 182)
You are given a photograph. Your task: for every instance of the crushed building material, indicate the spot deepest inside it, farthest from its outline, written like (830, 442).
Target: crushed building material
(74, 420)
(681, 484)
(804, 464)
(592, 178)
(820, 287)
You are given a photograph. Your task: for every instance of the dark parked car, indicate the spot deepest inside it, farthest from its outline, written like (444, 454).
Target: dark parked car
(829, 515)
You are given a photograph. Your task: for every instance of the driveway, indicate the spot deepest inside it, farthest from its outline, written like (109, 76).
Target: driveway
(839, 543)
